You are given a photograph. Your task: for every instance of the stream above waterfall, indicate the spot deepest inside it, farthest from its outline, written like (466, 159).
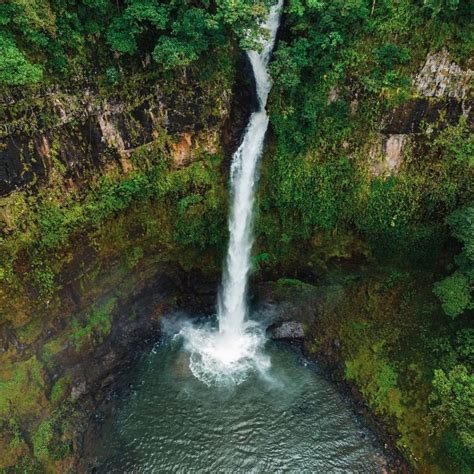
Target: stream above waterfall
(288, 419)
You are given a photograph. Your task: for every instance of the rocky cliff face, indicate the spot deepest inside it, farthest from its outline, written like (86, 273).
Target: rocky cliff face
(112, 277)
(85, 130)
(443, 93)
(442, 77)
(77, 131)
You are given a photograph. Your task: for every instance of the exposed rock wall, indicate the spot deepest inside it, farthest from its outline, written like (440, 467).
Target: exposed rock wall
(442, 91)
(87, 130)
(441, 77)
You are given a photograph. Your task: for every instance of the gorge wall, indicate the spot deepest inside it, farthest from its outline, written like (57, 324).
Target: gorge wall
(91, 256)
(113, 209)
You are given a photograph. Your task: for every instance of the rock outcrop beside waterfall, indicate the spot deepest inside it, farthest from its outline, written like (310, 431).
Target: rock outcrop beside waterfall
(443, 91)
(290, 330)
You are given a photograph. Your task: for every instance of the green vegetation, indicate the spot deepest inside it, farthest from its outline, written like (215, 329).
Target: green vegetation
(377, 379)
(452, 398)
(22, 391)
(49, 442)
(341, 71)
(15, 70)
(50, 349)
(58, 390)
(393, 342)
(41, 40)
(41, 440)
(456, 290)
(455, 294)
(180, 33)
(400, 217)
(98, 325)
(193, 195)
(338, 70)
(328, 204)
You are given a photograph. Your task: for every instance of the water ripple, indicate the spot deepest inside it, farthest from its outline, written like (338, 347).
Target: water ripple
(291, 421)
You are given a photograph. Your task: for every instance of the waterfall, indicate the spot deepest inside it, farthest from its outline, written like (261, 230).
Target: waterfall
(232, 301)
(228, 355)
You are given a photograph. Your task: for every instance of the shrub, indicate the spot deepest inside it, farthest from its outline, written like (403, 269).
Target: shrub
(452, 402)
(454, 293)
(15, 69)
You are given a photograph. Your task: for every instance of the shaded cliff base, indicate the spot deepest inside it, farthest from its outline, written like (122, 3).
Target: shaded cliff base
(77, 369)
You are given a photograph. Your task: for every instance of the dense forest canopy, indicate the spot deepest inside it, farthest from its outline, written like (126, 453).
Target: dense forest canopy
(39, 39)
(47, 38)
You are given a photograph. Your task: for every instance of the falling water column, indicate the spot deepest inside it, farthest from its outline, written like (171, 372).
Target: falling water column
(232, 310)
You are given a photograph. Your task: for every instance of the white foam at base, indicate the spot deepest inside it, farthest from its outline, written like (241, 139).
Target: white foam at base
(224, 359)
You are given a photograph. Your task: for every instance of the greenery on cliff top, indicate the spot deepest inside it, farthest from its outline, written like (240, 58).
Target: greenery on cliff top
(41, 40)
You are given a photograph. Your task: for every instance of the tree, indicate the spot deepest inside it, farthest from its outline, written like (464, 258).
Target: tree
(138, 17)
(179, 33)
(452, 403)
(456, 291)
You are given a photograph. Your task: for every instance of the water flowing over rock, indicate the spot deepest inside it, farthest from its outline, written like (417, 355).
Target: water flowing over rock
(229, 353)
(232, 304)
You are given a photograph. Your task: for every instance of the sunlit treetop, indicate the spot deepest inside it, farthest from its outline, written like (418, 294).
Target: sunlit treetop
(54, 36)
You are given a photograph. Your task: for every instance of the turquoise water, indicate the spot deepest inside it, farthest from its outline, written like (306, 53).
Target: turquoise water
(289, 420)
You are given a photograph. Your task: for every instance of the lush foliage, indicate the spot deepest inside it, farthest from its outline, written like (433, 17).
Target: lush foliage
(453, 398)
(180, 33)
(47, 36)
(401, 217)
(191, 195)
(341, 70)
(339, 67)
(69, 37)
(15, 69)
(456, 290)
